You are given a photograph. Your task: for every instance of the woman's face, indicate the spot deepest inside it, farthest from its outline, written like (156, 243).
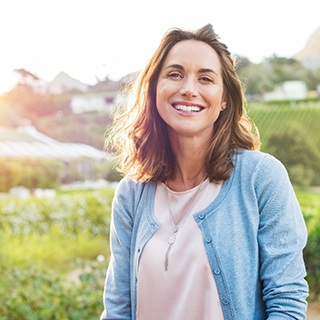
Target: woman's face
(189, 93)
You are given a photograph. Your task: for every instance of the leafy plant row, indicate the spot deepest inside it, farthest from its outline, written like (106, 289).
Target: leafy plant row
(291, 134)
(274, 119)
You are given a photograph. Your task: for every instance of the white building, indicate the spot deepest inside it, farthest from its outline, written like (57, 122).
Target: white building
(92, 101)
(289, 90)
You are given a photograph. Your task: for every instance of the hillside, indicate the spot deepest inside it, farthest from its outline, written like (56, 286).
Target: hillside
(272, 120)
(62, 83)
(291, 134)
(87, 128)
(310, 54)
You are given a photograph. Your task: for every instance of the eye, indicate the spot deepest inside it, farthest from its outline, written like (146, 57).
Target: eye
(174, 75)
(206, 79)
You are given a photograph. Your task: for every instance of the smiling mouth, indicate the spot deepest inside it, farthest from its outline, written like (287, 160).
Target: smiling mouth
(187, 109)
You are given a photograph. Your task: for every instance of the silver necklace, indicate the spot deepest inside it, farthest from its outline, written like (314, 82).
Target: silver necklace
(176, 226)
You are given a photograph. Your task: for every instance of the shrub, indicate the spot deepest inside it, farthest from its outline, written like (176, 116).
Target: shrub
(34, 293)
(48, 255)
(310, 204)
(55, 231)
(30, 173)
(298, 155)
(108, 172)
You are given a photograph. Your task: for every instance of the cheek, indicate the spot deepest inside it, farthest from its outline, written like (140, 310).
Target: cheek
(159, 104)
(215, 114)
(161, 97)
(162, 113)
(158, 94)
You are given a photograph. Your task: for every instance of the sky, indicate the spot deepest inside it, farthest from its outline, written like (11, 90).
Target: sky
(92, 39)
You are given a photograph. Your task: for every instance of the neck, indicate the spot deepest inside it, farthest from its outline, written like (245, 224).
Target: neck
(189, 164)
(185, 178)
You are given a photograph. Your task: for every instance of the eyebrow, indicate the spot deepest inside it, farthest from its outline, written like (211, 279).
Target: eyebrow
(180, 67)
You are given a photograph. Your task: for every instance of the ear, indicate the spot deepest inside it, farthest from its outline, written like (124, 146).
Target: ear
(223, 105)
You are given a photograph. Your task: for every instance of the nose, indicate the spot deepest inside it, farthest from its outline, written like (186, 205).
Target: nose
(188, 87)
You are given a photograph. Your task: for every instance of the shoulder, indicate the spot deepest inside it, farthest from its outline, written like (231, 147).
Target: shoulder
(257, 160)
(264, 172)
(261, 167)
(126, 184)
(130, 192)
(128, 188)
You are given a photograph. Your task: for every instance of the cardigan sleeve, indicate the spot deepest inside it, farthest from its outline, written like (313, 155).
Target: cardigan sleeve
(117, 299)
(282, 237)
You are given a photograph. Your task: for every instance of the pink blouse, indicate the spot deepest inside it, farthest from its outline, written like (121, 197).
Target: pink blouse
(186, 290)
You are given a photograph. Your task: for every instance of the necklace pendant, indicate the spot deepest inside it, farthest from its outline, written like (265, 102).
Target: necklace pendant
(172, 239)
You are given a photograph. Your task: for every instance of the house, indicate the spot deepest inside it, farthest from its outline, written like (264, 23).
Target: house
(92, 101)
(99, 97)
(288, 90)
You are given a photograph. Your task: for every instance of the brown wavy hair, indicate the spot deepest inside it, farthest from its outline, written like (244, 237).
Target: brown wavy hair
(139, 137)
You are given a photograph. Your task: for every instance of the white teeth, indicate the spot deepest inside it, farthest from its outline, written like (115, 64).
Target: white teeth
(187, 108)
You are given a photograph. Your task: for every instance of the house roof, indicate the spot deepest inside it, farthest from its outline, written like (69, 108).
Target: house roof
(27, 142)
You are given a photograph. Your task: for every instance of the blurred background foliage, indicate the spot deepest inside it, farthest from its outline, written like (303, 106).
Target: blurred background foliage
(54, 249)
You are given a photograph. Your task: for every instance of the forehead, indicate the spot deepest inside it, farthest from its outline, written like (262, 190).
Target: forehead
(195, 53)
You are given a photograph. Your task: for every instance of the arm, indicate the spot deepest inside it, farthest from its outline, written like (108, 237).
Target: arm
(117, 298)
(282, 237)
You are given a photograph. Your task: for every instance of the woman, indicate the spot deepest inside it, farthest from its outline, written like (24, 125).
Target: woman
(204, 226)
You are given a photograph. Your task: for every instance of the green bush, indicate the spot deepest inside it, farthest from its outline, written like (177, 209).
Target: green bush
(310, 204)
(10, 172)
(35, 293)
(312, 260)
(54, 232)
(48, 255)
(73, 212)
(55, 249)
(50, 174)
(298, 155)
(107, 171)
(30, 173)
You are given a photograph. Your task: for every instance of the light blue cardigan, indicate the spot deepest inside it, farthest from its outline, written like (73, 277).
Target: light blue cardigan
(253, 233)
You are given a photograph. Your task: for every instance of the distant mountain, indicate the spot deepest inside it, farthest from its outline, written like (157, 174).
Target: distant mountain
(309, 56)
(63, 83)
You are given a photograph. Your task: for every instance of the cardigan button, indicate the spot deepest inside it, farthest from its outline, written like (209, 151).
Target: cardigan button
(217, 271)
(225, 301)
(208, 239)
(201, 216)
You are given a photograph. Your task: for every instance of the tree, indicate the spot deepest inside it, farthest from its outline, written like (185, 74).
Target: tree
(297, 154)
